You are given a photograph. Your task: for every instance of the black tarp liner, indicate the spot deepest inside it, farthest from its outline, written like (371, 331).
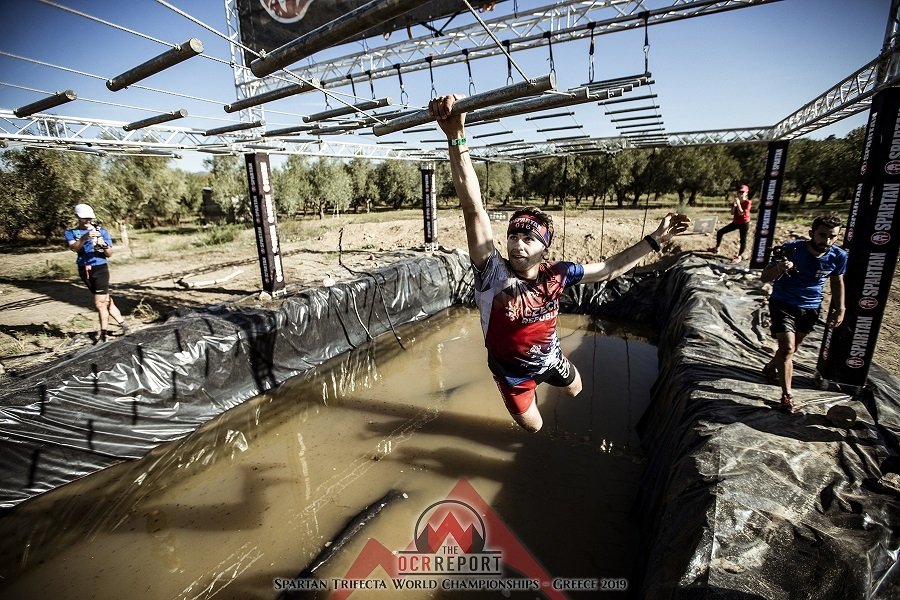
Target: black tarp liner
(121, 399)
(738, 501)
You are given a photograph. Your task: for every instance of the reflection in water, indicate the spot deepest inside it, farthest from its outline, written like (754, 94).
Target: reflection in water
(257, 493)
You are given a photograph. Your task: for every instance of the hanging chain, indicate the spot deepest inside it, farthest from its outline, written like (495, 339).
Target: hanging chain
(592, 25)
(429, 60)
(352, 84)
(646, 16)
(509, 77)
(547, 36)
(371, 83)
(404, 97)
(469, 68)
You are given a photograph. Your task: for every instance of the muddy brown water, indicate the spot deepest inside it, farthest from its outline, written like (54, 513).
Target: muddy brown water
(251, 498)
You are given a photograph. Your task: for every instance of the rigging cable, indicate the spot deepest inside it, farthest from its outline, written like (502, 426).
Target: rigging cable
(592, 25)
(469, 68)
(496, 41)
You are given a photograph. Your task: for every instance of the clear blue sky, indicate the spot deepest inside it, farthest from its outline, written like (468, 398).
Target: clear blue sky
(743, 68)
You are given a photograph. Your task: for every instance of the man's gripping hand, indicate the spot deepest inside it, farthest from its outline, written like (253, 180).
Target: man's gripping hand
(452, 124)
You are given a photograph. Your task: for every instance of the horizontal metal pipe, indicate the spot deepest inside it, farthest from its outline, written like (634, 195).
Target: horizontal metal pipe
(288, 90)
(658, 121)
(331, 33)
(567, 113)
(570, 98)
(177, 114)
(347, 110)
(289, 130)
(630, 99)
(531, 87)
(167, 59)
(46, 103)
(237, 127)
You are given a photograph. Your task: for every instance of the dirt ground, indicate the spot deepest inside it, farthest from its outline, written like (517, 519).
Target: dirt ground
(45, 311)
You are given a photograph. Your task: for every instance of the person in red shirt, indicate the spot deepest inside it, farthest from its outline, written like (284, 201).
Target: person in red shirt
(740, 222)
(518, 297)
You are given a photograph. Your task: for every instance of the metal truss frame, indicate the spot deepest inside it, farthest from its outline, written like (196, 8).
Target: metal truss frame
(106, 138)
(563, 21)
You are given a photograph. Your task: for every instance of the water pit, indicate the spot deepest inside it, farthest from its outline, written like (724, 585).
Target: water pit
(257, 493)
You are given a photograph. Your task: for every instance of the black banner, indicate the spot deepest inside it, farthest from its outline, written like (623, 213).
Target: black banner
(429, 206)
(873, 242)
(767, 215)
(268, 24)
(262, 207)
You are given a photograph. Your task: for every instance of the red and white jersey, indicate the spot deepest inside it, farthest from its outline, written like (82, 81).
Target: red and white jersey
(518, 316)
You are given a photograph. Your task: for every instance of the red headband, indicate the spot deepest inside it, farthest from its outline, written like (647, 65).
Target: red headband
(531, 226)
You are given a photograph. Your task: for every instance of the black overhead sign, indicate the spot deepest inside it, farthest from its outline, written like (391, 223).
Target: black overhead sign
(268, 24)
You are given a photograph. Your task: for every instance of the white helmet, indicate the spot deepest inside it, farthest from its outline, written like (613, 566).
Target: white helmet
(84, 211)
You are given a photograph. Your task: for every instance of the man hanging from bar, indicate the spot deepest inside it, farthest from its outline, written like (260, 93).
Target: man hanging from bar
(519, 297)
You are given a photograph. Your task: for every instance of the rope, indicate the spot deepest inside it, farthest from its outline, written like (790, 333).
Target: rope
(592, 25)
(107, 23)
(469, 68)
(387, 313)
(496, 41)
(549, 39)
(404, 97)
(646, 17)
(371, 83)
(429, 59)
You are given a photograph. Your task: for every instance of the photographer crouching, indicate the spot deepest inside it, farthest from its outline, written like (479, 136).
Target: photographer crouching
(94, 246)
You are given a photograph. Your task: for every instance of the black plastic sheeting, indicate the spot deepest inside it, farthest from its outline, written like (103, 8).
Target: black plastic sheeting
(119, 400)
(740, 500)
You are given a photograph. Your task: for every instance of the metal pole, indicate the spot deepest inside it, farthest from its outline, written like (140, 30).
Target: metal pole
(180, 53)
(490, 98)
(45, 104)
(346, 110)
(570, 98)
(331, 33)
(237, 127)
(289, 130)
(177, 114)
(290, 90)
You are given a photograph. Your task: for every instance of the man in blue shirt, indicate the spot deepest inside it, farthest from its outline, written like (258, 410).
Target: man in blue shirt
(799, 272)
(93, 246)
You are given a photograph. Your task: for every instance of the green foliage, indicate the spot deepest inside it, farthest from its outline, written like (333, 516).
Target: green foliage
(364, 182)
(293, 185)
(218, 235)
(41, 186)
(228, 180)
(399, 183)
(47, 184)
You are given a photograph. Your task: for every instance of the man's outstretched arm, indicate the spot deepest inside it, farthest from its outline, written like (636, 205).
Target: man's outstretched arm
(479, 234)
(620, 263)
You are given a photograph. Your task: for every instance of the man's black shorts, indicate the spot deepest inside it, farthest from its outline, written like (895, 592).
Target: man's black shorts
(787, 318)
(96, 278)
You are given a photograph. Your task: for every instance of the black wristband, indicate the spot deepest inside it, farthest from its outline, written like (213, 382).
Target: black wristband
(653, 243)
